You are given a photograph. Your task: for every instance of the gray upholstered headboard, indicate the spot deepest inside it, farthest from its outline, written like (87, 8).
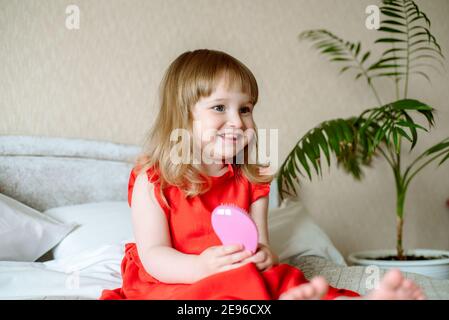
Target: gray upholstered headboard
(44, 172)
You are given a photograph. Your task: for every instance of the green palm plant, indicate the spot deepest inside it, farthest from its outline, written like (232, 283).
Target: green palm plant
(378, 131)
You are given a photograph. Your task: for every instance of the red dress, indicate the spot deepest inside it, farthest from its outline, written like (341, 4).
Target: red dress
(191, 233)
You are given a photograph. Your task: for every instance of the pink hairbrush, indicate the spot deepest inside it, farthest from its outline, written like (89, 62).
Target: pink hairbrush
(233, 225)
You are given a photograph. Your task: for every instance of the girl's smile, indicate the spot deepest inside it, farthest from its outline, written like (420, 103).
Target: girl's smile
(229, 137)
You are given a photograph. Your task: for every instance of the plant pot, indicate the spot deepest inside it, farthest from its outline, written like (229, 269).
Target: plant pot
(435, 268)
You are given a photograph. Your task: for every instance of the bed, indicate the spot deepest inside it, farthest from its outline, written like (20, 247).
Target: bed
(64, 179)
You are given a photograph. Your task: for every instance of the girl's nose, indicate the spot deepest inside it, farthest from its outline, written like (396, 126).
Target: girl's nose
(235, 121)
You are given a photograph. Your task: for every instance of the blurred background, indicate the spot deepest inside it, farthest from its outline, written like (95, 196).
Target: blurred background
(100, 82)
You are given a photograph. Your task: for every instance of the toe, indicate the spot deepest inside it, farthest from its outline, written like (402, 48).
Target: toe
(392, 280)
(296, 293)
(309, 291)
(289, 294)
(313, 290)
(300, 294)
(417, 294)
(421, 295)
(321, 286)
(408, 284)
(407, 290)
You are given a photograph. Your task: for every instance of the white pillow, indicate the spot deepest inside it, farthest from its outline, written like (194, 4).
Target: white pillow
(100, 223)
(25, 233)
(273, 195)
(293, 232)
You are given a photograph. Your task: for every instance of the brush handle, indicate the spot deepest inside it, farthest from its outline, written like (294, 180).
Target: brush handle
(233, 225)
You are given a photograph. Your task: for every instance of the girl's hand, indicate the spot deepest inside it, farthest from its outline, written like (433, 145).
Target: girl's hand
(264, 258)
(220, 258)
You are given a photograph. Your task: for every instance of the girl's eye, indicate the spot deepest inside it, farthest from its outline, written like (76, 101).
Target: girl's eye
(245, 110)
(219, 108)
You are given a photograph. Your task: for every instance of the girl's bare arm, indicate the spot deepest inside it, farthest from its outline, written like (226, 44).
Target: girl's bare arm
(259, 213)
(153, 241)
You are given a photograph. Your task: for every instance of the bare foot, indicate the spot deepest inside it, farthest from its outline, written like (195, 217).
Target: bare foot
(314, 290)
(394, 286)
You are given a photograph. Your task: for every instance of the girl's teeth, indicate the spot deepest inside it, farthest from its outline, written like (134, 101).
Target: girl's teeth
(228, 137)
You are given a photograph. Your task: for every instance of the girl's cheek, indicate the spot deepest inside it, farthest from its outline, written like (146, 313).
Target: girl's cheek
(216, 123)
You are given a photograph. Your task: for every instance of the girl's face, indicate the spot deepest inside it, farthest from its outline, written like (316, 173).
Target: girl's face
(223, 123)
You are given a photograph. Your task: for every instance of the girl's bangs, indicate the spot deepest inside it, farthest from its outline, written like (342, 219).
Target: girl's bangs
(237, 77)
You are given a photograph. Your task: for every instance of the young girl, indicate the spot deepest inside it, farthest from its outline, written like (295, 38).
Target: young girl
(176, 254)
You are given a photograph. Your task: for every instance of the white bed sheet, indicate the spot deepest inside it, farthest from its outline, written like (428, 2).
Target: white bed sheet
(86, 275)
(81, 276)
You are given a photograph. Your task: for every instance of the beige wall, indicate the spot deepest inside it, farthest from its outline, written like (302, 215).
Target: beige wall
(100, 82)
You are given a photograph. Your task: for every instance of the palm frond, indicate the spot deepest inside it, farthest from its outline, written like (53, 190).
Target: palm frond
(336, 136)
(439, 150)
(408, 30)
(394, 120)
(338, 50)
(353, 141)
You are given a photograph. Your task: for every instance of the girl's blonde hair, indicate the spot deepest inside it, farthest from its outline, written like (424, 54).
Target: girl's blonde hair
(191, 76)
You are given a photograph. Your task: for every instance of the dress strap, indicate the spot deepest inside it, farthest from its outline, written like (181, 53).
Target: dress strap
(259, 190)
(153, 177)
